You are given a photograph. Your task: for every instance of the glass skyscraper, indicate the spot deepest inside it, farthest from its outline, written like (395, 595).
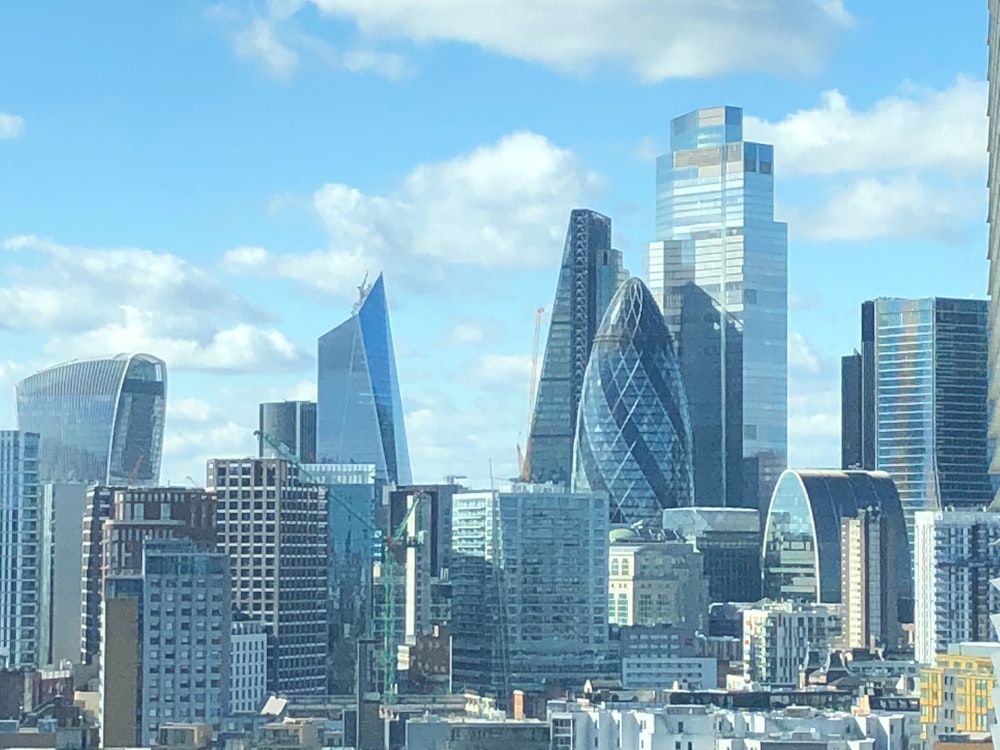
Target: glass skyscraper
(359, 412)
(923, 383)
(291, 423)
(99, 420)
(591, 272)
(719, 270)
(633, 438)
(993, 216)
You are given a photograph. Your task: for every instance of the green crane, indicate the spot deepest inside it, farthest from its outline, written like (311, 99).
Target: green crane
(399, 539)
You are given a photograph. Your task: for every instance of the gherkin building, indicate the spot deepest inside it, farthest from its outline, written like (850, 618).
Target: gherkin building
(633, 436)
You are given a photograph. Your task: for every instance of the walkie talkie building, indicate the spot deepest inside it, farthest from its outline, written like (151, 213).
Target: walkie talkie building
(99, 420)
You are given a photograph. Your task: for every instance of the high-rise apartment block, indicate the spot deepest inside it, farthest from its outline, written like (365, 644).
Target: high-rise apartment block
(956, 554)
(529, 588)
(869, 590)
(64, 507)
(291, 423)
(98, 510)
(130, 622)
(633, 438)
(23, 575)
(359, 412)
(917, 401)
(273, 526)
(719, 270)
(99, 420)
(655, 582)
(247, 665)
(777, 637)
(590, 273)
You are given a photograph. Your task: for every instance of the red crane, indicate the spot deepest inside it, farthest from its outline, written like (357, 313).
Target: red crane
(132, 475)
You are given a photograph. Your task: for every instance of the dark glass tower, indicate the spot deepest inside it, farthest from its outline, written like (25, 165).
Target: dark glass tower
(922, 411)
(715, 230)
(359, 413)
(292, 423)
(591, 272)
(99, 420)
(633, 437)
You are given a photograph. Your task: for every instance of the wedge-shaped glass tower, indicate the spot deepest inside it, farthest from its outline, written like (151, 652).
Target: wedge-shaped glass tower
(359, 413)
(633, 435)
(591, 271)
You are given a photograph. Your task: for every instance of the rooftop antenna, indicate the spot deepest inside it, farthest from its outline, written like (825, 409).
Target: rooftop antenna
(363, 288)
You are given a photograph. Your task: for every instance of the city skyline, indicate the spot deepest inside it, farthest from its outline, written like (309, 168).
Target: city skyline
(233, 339)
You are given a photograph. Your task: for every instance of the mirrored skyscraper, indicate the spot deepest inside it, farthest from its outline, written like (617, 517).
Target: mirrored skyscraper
(993, 215)
(633, 438)
(99, 420)
(716, 235)
(359, 412)
(591, 271)
(921, 414)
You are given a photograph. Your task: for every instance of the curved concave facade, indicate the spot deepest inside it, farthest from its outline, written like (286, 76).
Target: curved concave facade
(633, 437)
(801, 552)
(99, 420)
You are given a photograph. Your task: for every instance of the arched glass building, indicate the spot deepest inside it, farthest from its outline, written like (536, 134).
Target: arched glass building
(633, 437)
(801, 558)
(98, 420)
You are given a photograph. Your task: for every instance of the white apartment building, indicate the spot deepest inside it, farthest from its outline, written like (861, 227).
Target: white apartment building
(955, 556)
(687, 672)
(247, 667)
(777, 638)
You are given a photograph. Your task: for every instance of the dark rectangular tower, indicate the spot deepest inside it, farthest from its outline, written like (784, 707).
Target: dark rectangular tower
(292, 423)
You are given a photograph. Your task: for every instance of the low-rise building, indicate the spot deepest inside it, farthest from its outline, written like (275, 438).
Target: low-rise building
(777, 637)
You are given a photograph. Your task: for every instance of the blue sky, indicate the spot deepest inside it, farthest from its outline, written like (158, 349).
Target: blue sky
(209, 183)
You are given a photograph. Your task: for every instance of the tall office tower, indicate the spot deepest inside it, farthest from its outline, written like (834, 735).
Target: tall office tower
(99, 420)
(529, 573)
(719, 270)
(273, 526)
(801, 554)
(139, 518)
(869, 589)
(22, 574)
(165, 657)
(292, 423)
(922, 411)
(352, 490)
(654, 581)
(993, 216)
(61, 525)
(729, 542)
(98, 510)
(956, 554)
(633, 438)
(590, 274)
(359, 413)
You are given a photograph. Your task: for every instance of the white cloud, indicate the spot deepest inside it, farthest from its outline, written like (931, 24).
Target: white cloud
(513, 370)
(273, 41)
(647, 149)
(503, 204)
(657, 39)
(160, 303)
(900, 207)
(11, 126)
(915, 128)
(813, 405)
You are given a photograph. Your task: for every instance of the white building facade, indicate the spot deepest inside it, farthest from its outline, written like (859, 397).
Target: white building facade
(778, 637)
(247, 667)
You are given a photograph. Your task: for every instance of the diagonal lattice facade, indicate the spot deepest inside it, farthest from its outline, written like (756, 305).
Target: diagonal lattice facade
(633, 436)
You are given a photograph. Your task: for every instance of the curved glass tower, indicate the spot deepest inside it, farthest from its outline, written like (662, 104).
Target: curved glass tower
(359, 412)
(633, 437)
(98, 420)
(802, 534)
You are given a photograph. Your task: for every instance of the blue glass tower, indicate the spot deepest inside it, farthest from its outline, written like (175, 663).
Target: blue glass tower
(591, 271)
(633, 438)
(719, 270)
(923, 405)
(359, 413)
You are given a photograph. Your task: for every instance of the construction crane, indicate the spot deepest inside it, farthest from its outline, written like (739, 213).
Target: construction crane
(134, 474)
(525, 460)
(397, 539)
